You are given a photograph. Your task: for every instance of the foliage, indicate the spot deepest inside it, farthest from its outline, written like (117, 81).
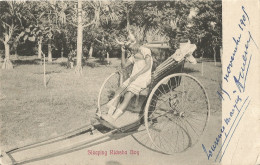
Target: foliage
(13, 18)
(200, 21)
(206, 28)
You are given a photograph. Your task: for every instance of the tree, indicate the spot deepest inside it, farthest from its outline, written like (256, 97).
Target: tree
(55, 17)
(95, 13)
(79, 39)
(115, 21)
(206, 26)
(49, 19)
(80, 24)
(11, 19)
(37, 12)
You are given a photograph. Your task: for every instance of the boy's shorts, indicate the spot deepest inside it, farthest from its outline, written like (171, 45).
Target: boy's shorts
(134, 88)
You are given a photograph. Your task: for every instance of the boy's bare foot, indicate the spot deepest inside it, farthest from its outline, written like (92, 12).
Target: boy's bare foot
(117, 114)
(111, 110)
(108, 118)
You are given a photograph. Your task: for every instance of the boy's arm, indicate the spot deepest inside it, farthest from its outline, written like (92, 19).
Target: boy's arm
(145, 69)
(128, 63)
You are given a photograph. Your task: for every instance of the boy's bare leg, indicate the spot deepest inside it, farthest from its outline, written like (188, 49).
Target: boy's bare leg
(113, 103)
(121, 108)
(112, 106)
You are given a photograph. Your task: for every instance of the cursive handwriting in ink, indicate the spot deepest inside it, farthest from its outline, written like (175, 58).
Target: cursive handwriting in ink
(242, 77)
(212, 149)
(251, 37)
(209, 155)
(240, 80)
(232, 57)
(231, 113)
(210, 152)
(243, 23)
(222, 92)
(243, 19)
(235, 127)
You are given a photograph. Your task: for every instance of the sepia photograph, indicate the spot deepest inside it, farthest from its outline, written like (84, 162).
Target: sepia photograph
(106, 82)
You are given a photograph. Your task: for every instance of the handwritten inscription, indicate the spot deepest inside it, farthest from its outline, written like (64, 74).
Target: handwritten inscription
(243, 23)
(235, 95)
(232, 57)
(233, 113)
(240, 80)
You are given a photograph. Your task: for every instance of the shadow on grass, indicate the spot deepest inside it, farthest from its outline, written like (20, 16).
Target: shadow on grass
(48, 72)
(104, 62)
(26, 62)
(64, 64)
(189, 70)
(92, 64)
(219, 65)
(199, 60)
(95, 63)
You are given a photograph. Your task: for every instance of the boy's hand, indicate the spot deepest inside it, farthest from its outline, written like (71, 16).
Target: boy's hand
(121, 70)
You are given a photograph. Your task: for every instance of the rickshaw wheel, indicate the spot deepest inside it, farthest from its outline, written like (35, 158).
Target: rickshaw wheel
(176, 114)
(107, 91)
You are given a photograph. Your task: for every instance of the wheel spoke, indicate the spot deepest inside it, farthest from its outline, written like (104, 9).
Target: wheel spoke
(176, 114)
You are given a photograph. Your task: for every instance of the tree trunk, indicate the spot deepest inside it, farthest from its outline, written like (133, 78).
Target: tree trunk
(62, 51)
(16, 54)
(127, 20)
(78, 69)
(97, 15)
(7, 63)
(91, 51)
(215, 59)
(49, 51)
(123, 56)
(202, 67)
(221, 53)
(108, 60)
(40, 48)
(44, 72)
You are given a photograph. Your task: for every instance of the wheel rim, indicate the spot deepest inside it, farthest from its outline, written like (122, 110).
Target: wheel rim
(107, 91)
(176, 113)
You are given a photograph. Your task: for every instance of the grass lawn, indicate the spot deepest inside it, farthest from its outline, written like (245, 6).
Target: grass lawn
(29, 112)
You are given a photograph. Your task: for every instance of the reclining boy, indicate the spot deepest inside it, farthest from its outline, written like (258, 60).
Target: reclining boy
(139, 79)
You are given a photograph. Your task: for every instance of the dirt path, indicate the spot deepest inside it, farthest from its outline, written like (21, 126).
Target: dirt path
(195, 155)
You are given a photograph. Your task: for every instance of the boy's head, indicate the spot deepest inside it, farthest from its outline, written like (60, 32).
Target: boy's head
(135, 48)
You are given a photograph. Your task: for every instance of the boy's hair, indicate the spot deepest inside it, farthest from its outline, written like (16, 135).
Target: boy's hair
(135, 47)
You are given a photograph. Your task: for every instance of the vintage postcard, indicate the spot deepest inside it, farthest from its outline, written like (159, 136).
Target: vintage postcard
(107, 82)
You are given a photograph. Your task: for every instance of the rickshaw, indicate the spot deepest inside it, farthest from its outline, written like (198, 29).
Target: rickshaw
(169, 116)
